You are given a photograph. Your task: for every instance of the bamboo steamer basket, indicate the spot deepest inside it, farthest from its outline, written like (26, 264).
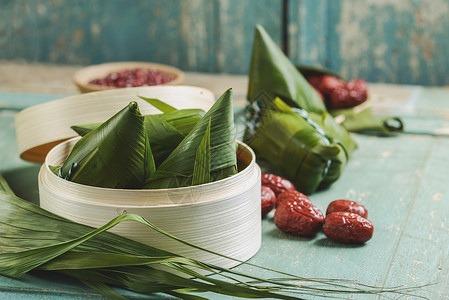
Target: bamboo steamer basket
(222, 216)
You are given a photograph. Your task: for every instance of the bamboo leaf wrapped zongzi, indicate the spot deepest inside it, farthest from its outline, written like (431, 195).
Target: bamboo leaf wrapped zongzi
(301, 130)
(272, 73)
(178, 169)
(165, 131)
(117, 154)
(293, 144)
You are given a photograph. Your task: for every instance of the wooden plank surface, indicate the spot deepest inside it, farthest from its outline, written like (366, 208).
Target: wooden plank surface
(400, 179)
(194, 35)
(381, 41)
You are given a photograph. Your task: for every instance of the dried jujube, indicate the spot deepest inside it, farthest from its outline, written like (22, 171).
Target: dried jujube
(298, 217)
(291, 195)
(268, 199)
(276, 183)
(347, 206)
(340, 94)
(349, 228)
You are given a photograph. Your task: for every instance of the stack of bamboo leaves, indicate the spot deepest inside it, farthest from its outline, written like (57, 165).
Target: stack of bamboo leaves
(173, 149)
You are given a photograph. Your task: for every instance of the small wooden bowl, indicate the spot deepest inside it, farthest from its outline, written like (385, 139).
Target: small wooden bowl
(82, 77)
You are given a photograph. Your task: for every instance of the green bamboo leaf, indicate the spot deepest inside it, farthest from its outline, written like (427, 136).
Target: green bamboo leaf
(177, 170)
(89, 260)
(33, 258)
(14, 264)
(201, 169)
(4, 186)
(361, 119)
(117, 154)
(69, 244)
(183, 119)
(162, 106)
(272, 74)
(103, 289)
(138, 279)
(341, 138)
(82, 130)
(165, 131)
(334, 131)
(292, 143)
(316, 71)
(163, 137)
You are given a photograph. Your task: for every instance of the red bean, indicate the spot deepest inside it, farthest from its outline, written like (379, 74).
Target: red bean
(133, 78)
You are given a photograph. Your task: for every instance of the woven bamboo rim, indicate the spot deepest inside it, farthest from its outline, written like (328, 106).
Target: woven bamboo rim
(41, 127)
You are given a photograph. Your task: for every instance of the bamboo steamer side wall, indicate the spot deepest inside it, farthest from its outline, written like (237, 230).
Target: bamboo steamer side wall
(222, 216)
(381, 41)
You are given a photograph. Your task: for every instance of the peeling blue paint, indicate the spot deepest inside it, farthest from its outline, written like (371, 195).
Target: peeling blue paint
(381, 41)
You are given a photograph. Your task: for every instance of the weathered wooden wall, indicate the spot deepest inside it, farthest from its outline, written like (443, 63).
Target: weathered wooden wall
(392, 41)
(404, 41)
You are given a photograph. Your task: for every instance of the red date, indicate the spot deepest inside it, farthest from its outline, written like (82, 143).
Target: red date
(268, 200)
(291, 195)
(349, 228)
(276, 183)
(347, 206)
(298, 217)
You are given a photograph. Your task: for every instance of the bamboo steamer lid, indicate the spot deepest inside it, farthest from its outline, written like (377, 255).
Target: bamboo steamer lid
(41, 127)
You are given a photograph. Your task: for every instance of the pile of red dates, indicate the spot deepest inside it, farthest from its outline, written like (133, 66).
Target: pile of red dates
(345, 221)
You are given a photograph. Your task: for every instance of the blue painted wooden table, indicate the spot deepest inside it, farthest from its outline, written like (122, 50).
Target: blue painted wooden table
(402, 180)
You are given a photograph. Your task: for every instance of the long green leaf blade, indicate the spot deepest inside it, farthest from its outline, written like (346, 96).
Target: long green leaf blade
(162, 106)
(4, 186)
(21, 220)
(103, 289)
(201, 170)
